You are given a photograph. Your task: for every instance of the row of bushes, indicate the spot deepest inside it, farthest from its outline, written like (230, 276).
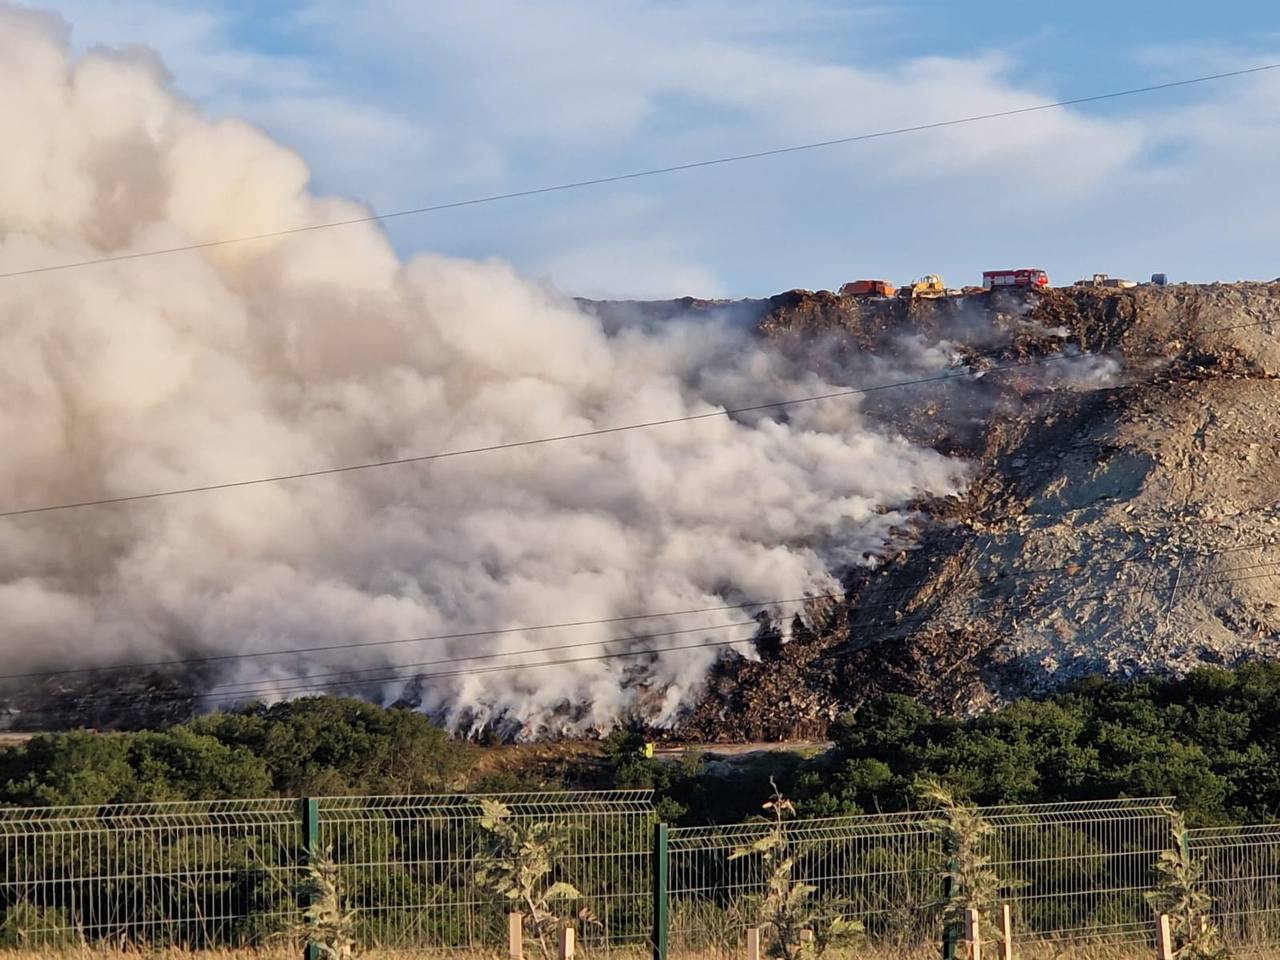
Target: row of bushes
(1207, 739)
(317, 746)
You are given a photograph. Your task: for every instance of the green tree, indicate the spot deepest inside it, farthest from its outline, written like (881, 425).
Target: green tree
(88, 768)
(340, 745)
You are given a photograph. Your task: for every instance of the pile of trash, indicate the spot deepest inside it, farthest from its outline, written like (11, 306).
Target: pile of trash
(1129, 526)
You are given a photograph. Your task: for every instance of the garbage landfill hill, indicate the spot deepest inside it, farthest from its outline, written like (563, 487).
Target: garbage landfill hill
(1120, 511)
(1131, 527)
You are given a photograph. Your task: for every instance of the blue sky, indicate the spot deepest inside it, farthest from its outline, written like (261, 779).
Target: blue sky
(403, 103)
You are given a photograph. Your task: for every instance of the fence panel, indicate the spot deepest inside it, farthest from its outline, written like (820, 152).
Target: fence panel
(1242, 873)
(408, 864)
(884, 870)
(1080, 872)
(227, 873)
(1072, 871)
(190, 874)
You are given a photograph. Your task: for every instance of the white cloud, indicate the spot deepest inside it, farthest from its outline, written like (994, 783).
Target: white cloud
(516, 96)
(569, 75)
(404, 104)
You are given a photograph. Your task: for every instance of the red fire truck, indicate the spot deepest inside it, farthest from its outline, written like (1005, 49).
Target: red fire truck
(1027, 278)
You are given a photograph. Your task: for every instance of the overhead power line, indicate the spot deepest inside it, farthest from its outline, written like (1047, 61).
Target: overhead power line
(196, 661)
(966, 374)
(761, 604)
(251, 686)
(247, 689)
(524, 665)
(530, 664)
(640, 174)
(309, 687)
(435, 637)
(516, 444)
(347, 677)
(289, 687)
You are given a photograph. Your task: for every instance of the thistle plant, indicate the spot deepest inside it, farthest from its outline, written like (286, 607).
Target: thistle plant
(326, 922)
(518, 867)
(1182, 897)
(973, 883)
(800, 926)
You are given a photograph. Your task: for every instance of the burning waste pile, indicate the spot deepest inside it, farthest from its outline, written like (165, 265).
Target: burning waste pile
(324, 348)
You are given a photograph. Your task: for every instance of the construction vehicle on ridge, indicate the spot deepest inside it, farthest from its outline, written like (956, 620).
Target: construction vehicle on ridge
(867, 288)
(1108, 281)
(930, 285)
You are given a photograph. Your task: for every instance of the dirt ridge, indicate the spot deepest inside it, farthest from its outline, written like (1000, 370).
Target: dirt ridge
(1125, 530)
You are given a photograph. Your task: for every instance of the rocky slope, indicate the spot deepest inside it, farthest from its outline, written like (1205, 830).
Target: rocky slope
(1129, 528)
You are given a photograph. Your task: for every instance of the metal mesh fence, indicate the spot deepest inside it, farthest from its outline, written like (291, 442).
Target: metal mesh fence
(1242, 873)
(190, 874)
(227, 873)
(883, 870)
(1079, 871)
(408, 864)
(1074, 871)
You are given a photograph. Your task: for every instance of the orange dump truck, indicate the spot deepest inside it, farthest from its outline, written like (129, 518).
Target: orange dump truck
(867, 288)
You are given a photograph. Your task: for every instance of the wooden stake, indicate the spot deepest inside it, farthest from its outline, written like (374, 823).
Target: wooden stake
(1164, 938)
(753, 943)
(973, 934)
(1006, 930)
(515, 936)
(566, 943)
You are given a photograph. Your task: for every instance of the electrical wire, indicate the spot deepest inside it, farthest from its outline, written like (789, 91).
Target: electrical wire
(436, 637)
(306, 682)
(639, 174)
(424, 458)
(441, 661)
(762, 604)
(240, 692)
(500, 668)
(304, 688)
(966, 374)
(174, 696)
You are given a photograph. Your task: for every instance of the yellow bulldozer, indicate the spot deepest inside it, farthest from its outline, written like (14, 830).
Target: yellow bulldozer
(930, 285)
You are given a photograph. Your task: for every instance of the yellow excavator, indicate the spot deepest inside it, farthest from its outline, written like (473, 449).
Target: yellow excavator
(930, 285)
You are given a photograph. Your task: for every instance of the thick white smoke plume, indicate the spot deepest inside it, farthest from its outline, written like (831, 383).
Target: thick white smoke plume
(324, 348)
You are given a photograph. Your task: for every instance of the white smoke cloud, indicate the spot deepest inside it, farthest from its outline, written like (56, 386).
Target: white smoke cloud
(324, 348)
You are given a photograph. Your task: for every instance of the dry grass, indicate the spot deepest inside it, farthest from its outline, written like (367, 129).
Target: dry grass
(225, 954)
(439, 954)
(1029, 952)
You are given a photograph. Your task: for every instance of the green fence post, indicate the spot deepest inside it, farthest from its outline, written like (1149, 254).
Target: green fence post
(310, 849)
(949, 931)
(661, 919)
